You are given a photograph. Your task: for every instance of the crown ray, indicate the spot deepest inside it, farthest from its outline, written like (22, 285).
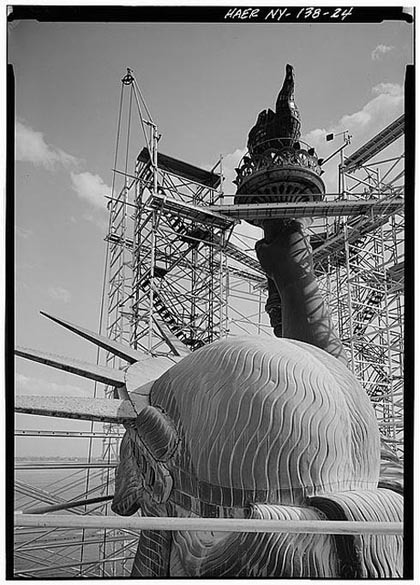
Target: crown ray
(86, 370)
(93, 409)
(124, 352)
(148, 369)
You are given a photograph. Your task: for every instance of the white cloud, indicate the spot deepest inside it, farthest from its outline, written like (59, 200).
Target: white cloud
(362, 125)
(36, 387)
(230, 162)
(383, 109)
(377, 113)
(91, 188)
(32, 147)
(58, 293)
(388, 89)
(379, 51)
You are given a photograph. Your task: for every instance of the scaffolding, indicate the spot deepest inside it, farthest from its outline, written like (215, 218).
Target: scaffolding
(181, 274)
(191, 284)
(361, 266)
(174, 260)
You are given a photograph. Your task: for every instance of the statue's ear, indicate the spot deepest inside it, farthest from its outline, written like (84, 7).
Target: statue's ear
(157, 432)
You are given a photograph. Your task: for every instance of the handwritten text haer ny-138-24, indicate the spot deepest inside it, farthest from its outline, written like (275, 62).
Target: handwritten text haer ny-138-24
(291, 14)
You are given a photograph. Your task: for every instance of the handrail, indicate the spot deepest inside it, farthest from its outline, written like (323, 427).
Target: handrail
(210, 524)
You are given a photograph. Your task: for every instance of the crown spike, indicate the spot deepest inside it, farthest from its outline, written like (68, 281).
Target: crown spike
(93, 409)
(94, 372)
(124, 352)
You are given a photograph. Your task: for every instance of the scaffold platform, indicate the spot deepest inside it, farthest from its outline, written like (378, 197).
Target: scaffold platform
(183, 169)
(263, 211)
(198, 213)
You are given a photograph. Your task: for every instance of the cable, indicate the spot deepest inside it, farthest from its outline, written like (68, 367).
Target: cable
(117, 141)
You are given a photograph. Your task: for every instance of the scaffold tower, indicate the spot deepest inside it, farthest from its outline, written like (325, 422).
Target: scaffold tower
(362, 267)
(174, 260)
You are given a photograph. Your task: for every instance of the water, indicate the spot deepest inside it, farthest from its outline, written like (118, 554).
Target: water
(51, 553)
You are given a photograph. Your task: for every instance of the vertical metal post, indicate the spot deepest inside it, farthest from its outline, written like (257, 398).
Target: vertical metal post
(221, 186)
(152, 274)
(226, 289)
(391, 398)
(349, 297)
(154, 159)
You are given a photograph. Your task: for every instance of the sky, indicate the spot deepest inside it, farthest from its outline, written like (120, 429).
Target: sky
(204, 85)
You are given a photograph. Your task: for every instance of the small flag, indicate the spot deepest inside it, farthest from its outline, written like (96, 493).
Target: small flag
(329, 137)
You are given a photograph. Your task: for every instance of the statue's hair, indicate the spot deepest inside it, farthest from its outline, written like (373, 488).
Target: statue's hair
(256, 554)
(276, 418)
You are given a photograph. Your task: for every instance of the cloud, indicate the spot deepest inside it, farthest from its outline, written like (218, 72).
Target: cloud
(36, 387)
(58, 293)
(91, 188)
(379, 51)
(378, 112)
(362, 125)
(388, 89)
(32, 147)
(230, 162)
